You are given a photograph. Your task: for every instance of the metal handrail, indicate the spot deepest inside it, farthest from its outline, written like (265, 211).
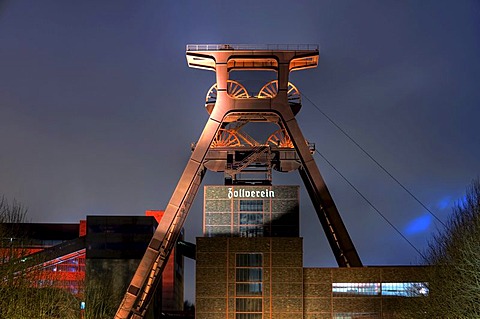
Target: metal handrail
(253, 47)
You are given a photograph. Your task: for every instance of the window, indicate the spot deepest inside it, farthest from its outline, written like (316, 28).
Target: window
(249, 231)
(401, 289)
(362, 289)
(251, 218)
(249, 260)
(249, 304)
(404, 289)
(249, 275)
(251, 205)
(248, 286)
(251, 289)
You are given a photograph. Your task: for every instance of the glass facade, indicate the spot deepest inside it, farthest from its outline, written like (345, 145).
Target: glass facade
(399, 289)
(248, 286)
(360, 289)
(405, 289)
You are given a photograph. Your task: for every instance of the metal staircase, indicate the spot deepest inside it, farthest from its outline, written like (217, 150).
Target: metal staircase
(254, 156)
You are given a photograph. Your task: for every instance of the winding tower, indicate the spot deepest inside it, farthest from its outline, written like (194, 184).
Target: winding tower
(225, 147)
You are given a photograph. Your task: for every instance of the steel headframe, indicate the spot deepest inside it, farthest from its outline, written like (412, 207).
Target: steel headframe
(223, 58)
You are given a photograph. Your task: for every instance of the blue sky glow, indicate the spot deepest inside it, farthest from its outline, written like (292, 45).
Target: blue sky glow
(418, 225)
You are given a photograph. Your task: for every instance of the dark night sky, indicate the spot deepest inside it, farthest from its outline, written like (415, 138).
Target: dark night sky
(98, 107)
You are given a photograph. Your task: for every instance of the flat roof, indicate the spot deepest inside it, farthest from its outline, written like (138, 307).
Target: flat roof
(252, 47)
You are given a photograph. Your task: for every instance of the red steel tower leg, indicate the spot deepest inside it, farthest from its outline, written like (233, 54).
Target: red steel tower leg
(148, 274)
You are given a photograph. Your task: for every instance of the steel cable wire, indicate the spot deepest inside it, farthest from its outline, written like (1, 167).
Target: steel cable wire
(373, 159)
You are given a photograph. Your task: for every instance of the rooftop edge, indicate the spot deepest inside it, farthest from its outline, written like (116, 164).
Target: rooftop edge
(252, 47)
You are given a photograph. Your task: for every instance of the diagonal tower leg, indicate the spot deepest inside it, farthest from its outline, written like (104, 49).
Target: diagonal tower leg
(149, 271)
(332, 224)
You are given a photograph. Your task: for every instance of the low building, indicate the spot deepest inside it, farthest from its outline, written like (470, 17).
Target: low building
(250, 265)
(94, 259)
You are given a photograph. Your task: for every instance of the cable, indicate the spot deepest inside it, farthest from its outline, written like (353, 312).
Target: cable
(371, 204)
(375, 161)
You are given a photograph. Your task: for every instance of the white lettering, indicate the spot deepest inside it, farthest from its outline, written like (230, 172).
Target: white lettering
(243, 193)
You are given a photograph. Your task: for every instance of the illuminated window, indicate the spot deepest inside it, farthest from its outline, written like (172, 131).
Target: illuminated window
(361, 289)
(404, 289)
(248, 286)
(401, 289)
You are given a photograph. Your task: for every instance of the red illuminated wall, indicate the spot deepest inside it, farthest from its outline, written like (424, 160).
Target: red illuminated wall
(68, 271)
(68, 274)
